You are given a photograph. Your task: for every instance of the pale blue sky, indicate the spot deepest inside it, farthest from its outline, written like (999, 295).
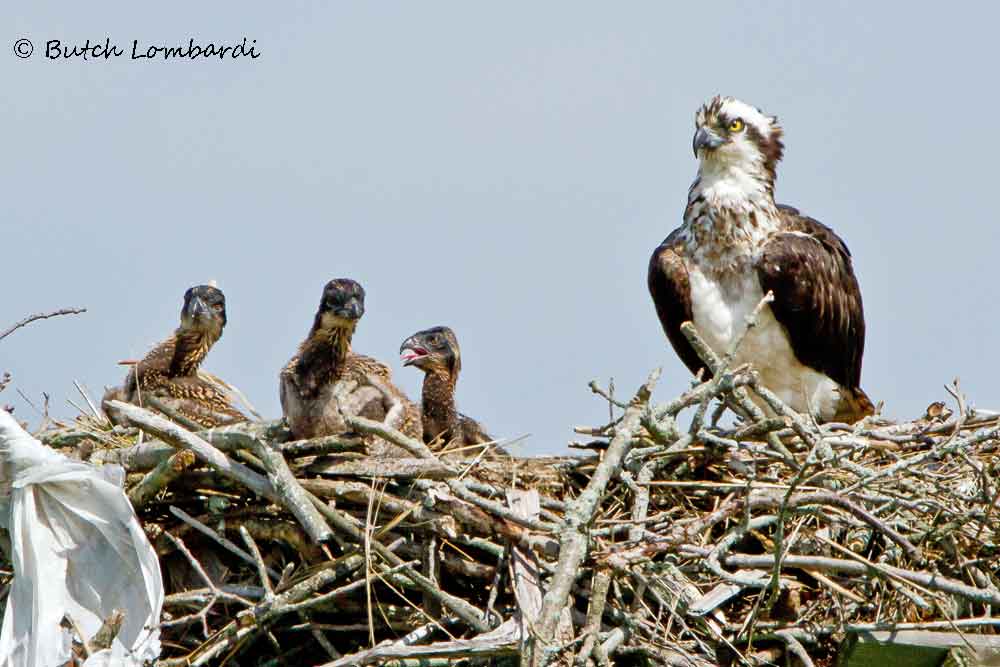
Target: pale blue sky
(501, 168)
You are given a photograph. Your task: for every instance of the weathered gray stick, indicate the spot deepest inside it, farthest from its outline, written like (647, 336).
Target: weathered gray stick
(598, 598)
(182, 439)
(160, 477)
(323, 445)
(927, 580)
(373, 427)
(502, 641)
(580, 514)
(401, 468)
(148, 455)
(295, 499)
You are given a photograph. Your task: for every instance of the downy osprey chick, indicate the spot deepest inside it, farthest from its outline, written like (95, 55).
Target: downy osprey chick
(309, 381)
(170, 370)
(435, 351)
(735, 245)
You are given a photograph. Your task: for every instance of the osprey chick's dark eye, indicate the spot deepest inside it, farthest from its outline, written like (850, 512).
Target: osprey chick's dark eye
(735, 245)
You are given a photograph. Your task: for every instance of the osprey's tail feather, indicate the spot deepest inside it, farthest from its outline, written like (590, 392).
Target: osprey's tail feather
(854, 406)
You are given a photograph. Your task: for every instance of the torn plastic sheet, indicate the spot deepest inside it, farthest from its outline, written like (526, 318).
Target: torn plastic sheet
(78, 552)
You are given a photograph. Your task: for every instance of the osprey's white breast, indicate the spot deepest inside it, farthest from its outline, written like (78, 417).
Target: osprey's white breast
(721, 305)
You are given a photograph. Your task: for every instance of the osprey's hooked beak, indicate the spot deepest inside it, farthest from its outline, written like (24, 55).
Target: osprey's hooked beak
(199, 309)
(411, 351)
(706, 138)
(352, 310)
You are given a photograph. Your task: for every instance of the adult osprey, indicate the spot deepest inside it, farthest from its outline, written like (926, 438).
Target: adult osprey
(735, 245)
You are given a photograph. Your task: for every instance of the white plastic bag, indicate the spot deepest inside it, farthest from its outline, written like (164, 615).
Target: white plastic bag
(78, 551)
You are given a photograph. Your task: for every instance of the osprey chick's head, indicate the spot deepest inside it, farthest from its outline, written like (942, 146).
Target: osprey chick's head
(204, 310)
(342, 305)
(732, 134)
(430, 349)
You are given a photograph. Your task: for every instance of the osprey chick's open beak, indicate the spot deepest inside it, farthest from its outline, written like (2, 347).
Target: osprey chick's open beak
(410, 351)
(707, 139)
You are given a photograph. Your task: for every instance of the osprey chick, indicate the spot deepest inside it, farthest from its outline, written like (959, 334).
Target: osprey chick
(170, 370)
(735, 245)
(435, 351)
(309, 382)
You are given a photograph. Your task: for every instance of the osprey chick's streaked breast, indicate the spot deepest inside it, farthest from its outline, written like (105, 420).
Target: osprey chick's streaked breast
(735, 245)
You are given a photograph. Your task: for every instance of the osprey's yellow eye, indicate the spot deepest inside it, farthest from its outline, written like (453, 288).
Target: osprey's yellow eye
(736, 125)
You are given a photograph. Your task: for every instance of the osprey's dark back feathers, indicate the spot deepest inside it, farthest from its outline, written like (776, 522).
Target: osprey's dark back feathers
(816, 296)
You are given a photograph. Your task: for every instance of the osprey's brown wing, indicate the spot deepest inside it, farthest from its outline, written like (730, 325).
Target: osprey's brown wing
(286, 385)
(199, 402)
(816, 296)
(670, 288)
(146, 375)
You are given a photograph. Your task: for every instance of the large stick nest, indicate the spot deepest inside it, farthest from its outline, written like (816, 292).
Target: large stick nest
(673, 541)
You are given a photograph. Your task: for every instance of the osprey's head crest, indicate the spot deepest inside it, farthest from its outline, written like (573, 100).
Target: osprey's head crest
(731, 133)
